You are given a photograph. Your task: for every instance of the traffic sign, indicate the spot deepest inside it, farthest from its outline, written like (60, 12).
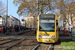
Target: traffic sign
(73, 33)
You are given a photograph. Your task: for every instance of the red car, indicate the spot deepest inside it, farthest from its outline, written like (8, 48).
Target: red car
(1, 29)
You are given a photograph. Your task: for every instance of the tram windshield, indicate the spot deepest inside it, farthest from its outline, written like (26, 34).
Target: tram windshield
(47, 23)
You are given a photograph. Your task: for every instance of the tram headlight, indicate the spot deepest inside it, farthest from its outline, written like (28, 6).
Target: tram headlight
(53, 36)
(40, 36)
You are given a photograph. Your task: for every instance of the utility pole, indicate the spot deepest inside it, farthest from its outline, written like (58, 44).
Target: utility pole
(6, 16)
(38, 7)
(41, 4)
(7, 13)
(41, 9)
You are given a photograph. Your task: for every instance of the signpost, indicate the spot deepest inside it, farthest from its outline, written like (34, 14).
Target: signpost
(73, 33)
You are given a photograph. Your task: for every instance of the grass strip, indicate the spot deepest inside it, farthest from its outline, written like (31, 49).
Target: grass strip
(67, 44)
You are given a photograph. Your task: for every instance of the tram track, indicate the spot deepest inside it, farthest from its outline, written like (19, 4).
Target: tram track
(31, 45)
(6, 41)
(14, 45)
(28, 33)
(9, 44)
(43, 47)
(27, 44)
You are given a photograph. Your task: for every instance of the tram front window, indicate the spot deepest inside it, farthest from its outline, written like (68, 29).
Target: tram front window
(47, 25)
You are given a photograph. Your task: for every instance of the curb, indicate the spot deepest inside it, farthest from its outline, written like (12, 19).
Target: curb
(23, 32)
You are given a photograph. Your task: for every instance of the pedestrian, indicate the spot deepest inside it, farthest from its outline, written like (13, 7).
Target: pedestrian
(3, 29)
(8, 29)
(19, 28)
(70, 29)
(22, 28)
(15, 28)
(35, 30)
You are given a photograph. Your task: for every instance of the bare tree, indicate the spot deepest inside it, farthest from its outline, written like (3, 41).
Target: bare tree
(2, 9)
(30, 7)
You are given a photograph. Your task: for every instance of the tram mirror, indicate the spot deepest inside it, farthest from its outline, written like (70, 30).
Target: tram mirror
(56, 23)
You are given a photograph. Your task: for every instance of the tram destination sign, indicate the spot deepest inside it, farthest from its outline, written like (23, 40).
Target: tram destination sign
(73, 34)
(47, 16)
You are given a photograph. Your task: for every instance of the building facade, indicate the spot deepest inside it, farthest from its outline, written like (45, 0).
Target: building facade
(2, 21)
(12, 21)
(31, 22)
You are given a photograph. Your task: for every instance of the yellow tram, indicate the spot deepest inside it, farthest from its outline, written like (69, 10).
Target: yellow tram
(46, 28)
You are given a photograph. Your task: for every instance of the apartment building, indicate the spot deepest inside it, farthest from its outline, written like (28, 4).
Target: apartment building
(2, 21)
(31, 21)
(12, 21)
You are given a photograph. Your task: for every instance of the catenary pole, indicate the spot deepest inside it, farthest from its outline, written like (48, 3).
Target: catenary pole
(7, 13)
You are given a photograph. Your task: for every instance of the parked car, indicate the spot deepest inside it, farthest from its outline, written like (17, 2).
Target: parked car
(1, 29)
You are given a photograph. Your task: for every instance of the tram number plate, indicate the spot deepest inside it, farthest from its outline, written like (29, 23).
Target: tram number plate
(46, 39)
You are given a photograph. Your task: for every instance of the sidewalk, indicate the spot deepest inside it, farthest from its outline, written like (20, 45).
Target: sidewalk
(18, 37)
(15, 36)
(15, 33)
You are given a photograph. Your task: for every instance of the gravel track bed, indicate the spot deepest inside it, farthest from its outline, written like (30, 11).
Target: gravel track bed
(43, 47)
(25, 45)
(58, 47)
(2, 47)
